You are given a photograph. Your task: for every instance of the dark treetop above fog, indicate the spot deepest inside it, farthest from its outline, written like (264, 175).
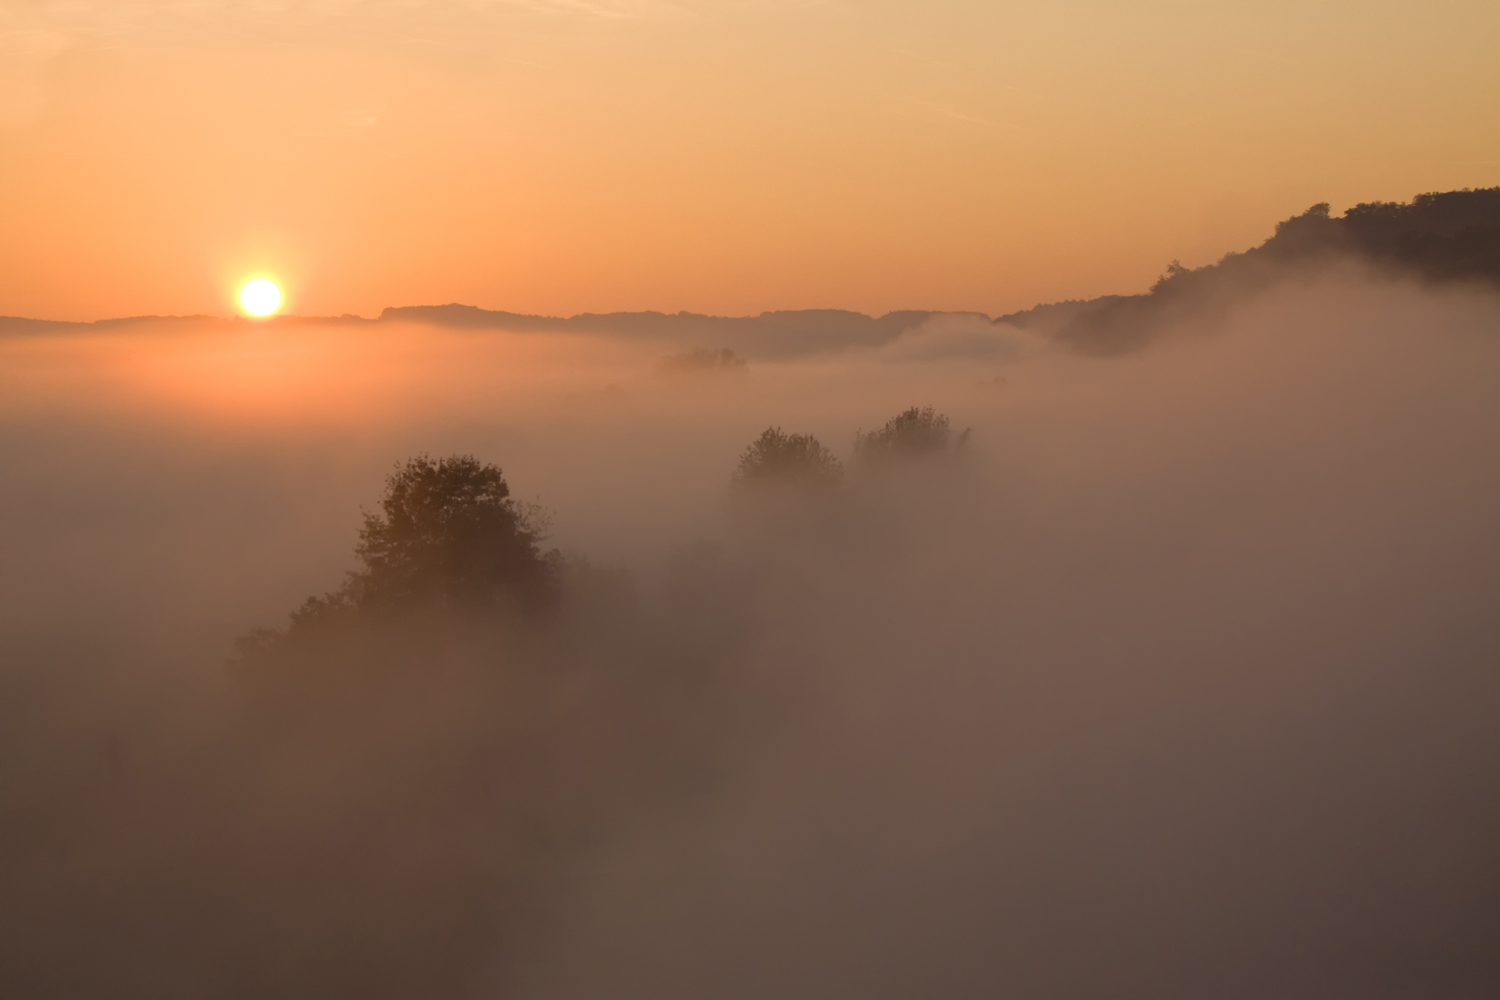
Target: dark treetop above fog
(1448, 236)
(449, 538)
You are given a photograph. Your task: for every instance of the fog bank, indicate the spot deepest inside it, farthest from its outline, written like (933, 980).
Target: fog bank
(1177, 679)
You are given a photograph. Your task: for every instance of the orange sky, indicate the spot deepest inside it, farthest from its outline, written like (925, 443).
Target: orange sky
(724, 156)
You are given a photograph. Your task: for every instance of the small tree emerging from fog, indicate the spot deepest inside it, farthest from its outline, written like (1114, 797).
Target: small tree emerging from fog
(779, 459)
(447, 535)
(909, 434)
(448, 529)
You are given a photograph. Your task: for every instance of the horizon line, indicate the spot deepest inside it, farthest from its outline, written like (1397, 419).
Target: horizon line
(394, 313)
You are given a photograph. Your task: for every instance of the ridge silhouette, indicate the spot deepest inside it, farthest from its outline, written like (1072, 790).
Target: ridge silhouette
(1437, 237)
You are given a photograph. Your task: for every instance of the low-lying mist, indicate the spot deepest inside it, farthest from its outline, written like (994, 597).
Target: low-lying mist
(1177, 678)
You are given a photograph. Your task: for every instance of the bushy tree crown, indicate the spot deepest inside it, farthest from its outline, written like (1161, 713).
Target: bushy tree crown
(909, 434)
(447, 536)
(447, 530)
(777, 458)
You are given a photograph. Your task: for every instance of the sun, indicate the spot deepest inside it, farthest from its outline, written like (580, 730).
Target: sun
(260, 297)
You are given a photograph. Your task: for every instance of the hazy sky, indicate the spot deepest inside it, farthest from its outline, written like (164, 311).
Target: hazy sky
(727, 156)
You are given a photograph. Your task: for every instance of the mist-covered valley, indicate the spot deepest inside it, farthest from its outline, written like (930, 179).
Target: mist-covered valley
(1170, 672)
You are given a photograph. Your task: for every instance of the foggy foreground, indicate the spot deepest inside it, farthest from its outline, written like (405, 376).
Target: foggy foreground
(1179, 680)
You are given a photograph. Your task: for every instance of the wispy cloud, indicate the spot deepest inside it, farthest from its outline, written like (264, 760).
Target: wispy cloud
(33, 35)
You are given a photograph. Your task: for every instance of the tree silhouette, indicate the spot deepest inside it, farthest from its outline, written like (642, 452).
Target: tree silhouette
(911, 433)
(448, 530)
(447, 536)
(777, 459)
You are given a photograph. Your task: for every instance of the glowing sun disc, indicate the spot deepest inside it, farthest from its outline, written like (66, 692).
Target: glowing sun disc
(260, 297)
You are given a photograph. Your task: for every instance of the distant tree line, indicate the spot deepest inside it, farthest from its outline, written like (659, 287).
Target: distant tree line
(704, 360)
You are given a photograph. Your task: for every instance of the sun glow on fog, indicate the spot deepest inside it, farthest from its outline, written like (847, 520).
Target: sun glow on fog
(376, 375)
(260, 297)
